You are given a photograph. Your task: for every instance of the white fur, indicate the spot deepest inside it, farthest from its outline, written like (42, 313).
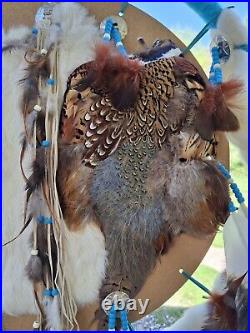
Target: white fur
(230, 26)
(85, 263)
(78, 36)
(15, 34)
(17, 292)
(85, 251)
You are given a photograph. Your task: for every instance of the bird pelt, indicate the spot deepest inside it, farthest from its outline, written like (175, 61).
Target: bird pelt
(230, 26)
(140, 171)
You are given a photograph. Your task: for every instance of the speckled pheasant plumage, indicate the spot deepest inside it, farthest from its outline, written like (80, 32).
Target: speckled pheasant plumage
(133, 156)
(90, 118)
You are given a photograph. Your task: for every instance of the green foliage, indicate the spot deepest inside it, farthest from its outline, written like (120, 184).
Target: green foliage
(218, 240)
(190, 294)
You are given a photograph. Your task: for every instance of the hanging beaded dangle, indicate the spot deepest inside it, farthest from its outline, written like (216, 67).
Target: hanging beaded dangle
(115, 314)
(114, 28)
(220, 52)
(56, 307)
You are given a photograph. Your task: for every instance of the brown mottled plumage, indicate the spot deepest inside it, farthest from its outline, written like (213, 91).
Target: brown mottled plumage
(141, 168)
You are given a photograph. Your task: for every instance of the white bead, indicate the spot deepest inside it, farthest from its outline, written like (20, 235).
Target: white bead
(36, 324)
(231, 181)
(34, 252)
(106, 36)
(37, 108)
(44, 52)
(217, 66)
(119, 44)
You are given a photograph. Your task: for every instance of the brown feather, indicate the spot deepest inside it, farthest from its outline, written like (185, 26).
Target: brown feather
(34, 269)
(213, 112)
(38, 68)
(115, 74)
(223, 310)
(22, 153)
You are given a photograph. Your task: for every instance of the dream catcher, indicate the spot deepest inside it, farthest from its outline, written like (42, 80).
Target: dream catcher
(132, 148)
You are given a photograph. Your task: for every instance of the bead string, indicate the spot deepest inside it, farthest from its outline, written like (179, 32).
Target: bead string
(112, 33)
(215, 74)
(125, 326)
(234, 187)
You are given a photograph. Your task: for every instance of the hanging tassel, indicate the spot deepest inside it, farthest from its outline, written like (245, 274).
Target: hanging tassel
(34, 268)
(54, 316)
(47, 301)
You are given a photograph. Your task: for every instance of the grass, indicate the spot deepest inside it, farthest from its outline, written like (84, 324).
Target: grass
(238, 171)
(218, 240)
(171, 311)
(189, 294)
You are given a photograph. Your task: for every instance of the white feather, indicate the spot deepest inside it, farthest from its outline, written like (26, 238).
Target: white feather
(52, 309)
(231, 27)
(235, 234)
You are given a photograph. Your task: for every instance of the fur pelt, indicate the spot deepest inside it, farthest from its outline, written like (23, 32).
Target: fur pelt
(78, 32)
(198, 211)
(230, 26)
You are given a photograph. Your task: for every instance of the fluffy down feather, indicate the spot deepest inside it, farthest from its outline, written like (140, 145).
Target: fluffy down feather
(115, 74)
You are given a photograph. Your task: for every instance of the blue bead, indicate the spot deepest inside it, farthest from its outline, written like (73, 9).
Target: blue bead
(241, 200)
(47, 220)
(54, 292)
(231, 207)
(51, 82)
(234, 186)
(34, 31)
(40, 218)
(45, 143)
(47, 292)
